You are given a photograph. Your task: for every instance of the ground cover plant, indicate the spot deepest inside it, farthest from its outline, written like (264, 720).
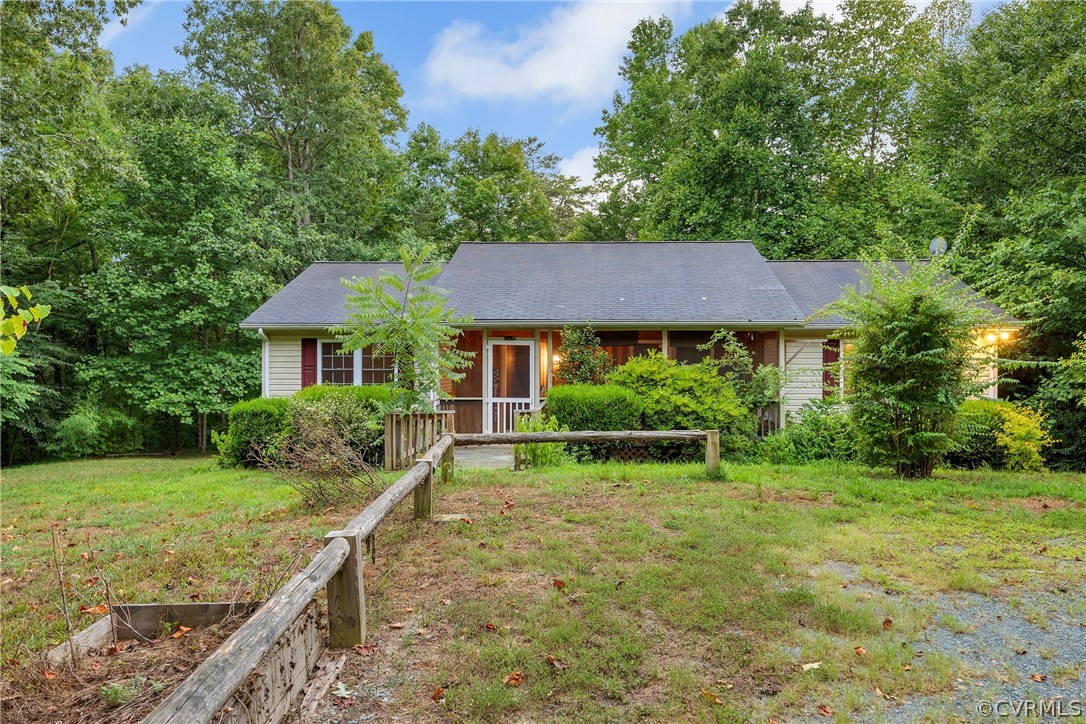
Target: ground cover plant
(611, 591)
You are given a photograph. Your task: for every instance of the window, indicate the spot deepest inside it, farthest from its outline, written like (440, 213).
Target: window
(336, 368)
(375, 369)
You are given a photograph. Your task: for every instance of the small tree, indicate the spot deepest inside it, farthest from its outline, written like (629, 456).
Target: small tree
(405, 318)
(914, 360)
(582, 361)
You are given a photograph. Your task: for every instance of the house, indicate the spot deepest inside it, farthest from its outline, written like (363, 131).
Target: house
(668, 296)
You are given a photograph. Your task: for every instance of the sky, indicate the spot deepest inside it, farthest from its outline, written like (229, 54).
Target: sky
(543, 69)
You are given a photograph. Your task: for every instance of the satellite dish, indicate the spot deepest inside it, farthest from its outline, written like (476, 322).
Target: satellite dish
(937, 246)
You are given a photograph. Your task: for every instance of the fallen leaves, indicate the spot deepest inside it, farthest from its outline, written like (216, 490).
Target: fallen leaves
(711, 697)
(365, 649)
(906, 667)
(860, 651)
(396, 626)
(100, 610)
(1020, 652)
(513, 678)
(559, 584)
(557, 663)
(884, 695)
(825, 710)
(439, 693)
(50, 675)
(814, 665)
(887, 624)
(446, 602)
(490, 627)
(181, 631)
(1038, 677)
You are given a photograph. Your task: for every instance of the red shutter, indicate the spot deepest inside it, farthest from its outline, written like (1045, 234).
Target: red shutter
(831, 354)
(309, 362)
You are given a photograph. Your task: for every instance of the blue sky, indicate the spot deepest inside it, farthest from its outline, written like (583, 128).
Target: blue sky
(542, 69)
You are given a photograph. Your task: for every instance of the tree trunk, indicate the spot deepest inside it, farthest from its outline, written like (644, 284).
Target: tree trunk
(201, 431)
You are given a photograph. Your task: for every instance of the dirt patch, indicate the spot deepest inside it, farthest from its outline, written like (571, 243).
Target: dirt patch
(1036, 504)
(103, 688)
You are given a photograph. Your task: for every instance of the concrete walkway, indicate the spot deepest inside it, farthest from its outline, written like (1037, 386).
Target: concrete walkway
(485, 456)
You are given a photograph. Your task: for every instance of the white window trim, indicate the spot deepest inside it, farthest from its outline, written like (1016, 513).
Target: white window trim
(320, 366)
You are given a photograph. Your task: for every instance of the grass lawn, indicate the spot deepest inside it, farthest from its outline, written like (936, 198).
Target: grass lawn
(616, 591)
(156, 529)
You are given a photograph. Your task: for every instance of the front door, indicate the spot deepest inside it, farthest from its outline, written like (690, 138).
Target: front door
(510, 369)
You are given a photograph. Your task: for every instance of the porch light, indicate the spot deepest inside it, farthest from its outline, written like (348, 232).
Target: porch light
(1004, 335)
(991, 337)
(556, 359)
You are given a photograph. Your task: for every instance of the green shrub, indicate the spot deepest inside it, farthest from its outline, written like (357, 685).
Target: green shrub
(93, 431)
(381, 394)
(914, 360)
(256, 429)
(594, 407)
(821, 431)
(999, 435)
(356, 414)
(680, 396)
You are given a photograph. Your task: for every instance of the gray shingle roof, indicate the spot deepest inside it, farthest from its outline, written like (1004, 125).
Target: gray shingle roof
(814, 284)
(315, 298)
(608, 283)
(689, 282)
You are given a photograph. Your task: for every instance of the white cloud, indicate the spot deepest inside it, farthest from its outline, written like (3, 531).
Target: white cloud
(582, 164)
(113, 29)
(571, 56)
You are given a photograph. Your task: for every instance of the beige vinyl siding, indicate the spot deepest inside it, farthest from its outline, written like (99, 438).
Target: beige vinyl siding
(803, 367)
(284, 364)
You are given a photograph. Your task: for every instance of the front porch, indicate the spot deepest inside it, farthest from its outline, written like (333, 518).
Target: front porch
(514, 368)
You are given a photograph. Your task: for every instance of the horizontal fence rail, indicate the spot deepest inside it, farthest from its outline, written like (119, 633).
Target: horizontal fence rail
(338, 568)
(207, 690)
(201, 697)
(711, 438)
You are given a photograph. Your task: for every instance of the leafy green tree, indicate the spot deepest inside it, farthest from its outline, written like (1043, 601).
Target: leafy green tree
(405, 318)
(914, 360)
(320, 102)
(497, 196)
(185, 270)
(747, 165)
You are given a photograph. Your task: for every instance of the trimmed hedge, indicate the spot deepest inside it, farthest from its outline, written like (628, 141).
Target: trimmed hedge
(380, 394)
(255, 431)
(1000, 435)
(594, 407)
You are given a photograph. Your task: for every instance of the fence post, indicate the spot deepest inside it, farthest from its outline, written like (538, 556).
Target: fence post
(712, 451)
(448, 462)
(347, 595)
(424, 492)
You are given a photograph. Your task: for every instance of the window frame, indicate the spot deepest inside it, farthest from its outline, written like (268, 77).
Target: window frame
(354, 368)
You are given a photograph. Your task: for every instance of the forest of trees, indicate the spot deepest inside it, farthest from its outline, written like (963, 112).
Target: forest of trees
(153, 212)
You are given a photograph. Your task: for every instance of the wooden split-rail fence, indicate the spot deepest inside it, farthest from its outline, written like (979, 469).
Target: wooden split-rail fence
(258, 672)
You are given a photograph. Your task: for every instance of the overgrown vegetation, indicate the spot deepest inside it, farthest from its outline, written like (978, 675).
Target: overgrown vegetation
(821, 431)
(680, 396)
(914, 360)
(999, 435)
